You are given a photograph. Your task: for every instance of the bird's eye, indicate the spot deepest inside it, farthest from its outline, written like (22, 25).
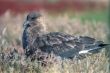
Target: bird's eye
(33, 18)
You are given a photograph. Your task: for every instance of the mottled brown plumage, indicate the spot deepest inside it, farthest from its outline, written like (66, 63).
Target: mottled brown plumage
(61, 44)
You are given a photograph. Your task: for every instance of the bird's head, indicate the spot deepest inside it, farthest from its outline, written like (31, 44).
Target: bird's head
(31, 17)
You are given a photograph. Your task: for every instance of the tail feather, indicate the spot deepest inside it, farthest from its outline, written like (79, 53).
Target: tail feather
(103, 45)
(94, 49)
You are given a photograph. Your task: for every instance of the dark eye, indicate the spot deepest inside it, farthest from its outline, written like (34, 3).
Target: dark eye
(33, 18)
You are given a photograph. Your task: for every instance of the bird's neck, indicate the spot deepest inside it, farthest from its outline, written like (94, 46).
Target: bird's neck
(34, 31)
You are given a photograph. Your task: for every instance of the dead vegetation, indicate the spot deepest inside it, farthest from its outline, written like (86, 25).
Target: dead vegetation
(14, 62)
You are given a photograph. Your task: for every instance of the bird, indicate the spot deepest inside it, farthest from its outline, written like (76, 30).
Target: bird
(61, 44)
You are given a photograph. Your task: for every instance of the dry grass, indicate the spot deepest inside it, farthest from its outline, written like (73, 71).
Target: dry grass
(10, 38)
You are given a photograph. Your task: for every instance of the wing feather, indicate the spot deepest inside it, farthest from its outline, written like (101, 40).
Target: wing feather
(61, 43)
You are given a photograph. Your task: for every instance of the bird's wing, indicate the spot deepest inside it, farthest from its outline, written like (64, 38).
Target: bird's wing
(57, 38)
(62, 44)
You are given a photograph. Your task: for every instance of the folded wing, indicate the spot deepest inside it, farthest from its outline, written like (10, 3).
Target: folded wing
(66, 45)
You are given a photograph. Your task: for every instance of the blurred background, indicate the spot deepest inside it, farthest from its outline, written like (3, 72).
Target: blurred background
(76, 17)
(52, 5)
(85, 17)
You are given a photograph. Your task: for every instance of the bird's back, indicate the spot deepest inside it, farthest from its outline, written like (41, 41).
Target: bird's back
(64, 45)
